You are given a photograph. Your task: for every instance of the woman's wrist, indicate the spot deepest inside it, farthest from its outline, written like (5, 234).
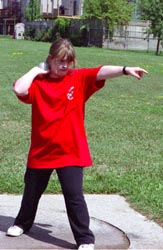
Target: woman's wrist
(124, 70)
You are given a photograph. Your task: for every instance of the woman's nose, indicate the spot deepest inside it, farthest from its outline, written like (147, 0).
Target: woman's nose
(65, 65)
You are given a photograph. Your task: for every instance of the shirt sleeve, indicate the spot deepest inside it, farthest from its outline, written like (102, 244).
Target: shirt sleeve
(90, 82)
(28, 97)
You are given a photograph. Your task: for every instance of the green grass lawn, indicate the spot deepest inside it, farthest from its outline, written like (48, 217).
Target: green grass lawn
(124, 124)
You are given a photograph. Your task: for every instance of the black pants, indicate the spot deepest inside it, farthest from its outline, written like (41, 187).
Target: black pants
(71, 180)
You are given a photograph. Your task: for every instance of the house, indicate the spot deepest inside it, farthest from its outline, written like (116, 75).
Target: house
(53, 8)
(12, 11)
(10, 14)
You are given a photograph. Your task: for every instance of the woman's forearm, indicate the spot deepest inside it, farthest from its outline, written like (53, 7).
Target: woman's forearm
(22, 85)
(107, 72)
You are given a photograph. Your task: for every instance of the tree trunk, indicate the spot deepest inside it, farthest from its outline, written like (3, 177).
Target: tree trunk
(158, 46)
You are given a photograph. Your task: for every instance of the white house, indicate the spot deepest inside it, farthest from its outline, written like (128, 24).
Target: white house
(62, 7)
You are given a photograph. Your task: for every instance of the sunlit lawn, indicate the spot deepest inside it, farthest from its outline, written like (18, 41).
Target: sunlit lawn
(124, 124)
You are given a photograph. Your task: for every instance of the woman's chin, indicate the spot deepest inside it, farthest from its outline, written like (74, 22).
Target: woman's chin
(59, 74)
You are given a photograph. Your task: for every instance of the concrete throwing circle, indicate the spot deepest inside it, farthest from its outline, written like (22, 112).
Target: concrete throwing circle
(51, 230)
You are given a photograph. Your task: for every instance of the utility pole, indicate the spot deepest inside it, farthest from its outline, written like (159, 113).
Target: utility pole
(47, 8)
(58, 7)
(52, 7)
(69, 7)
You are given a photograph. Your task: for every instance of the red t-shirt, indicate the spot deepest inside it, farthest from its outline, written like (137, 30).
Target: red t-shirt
(58, 137)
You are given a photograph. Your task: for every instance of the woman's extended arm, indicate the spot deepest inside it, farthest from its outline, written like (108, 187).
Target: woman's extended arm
(107, 72)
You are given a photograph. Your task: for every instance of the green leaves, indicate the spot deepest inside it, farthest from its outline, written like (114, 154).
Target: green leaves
(153, 12)
(32, 11)
(116, 11)
(111, 12)
(92, 8)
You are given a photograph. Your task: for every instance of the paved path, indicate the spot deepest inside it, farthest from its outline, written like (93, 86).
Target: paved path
(115, 225)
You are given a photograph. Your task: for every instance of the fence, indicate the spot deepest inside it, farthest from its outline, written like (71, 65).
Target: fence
(133, 36)
(82, 32)
(7, 28)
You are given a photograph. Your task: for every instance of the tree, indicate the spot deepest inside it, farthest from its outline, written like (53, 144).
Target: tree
(152, 11)
(32, 11)
(111, 12)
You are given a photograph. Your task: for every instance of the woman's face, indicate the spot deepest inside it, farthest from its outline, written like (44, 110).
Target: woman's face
(59, 67)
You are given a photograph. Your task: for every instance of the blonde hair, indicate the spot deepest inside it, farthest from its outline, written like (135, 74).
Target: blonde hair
(63, 49)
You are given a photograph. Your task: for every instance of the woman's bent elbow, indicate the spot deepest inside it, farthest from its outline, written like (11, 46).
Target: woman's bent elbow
(18, 91)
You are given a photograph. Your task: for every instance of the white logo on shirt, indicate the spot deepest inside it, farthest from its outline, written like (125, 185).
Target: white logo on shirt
(70, 93)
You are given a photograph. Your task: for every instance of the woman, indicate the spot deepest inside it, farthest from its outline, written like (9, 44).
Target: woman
(58, 139)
